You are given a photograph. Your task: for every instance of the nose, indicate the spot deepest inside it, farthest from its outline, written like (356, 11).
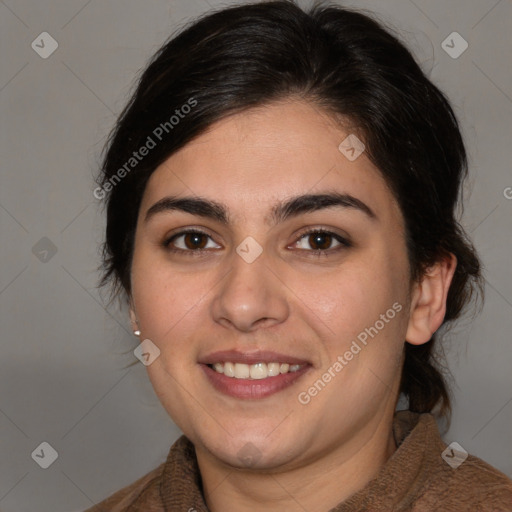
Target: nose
(250, 296)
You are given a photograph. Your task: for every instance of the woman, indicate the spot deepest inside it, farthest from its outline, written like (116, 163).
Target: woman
(281, 196)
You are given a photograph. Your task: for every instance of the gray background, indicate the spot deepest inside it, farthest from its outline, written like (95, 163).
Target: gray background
(64, 369)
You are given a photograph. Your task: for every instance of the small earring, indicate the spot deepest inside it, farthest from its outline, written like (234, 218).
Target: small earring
(137, 332)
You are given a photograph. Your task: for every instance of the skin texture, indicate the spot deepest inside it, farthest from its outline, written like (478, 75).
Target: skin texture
(289, 300)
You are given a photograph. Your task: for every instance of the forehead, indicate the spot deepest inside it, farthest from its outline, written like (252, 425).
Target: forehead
(250, 160)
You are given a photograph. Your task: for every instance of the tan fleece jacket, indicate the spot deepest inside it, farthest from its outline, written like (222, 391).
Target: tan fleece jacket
(414, 479)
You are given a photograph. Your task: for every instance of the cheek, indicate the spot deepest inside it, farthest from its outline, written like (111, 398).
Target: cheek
(364, 302)
(160, 297)
(352, 298)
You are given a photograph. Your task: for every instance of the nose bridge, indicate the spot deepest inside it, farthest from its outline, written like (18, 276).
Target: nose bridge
(250, 294)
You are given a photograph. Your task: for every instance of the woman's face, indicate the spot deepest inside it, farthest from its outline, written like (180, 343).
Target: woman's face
(252, 286)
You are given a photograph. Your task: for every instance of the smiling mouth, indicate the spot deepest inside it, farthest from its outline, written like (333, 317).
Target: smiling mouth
(255, 371)
(251, 375)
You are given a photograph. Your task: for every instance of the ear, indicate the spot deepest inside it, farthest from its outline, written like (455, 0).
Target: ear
(133, 317)
(428, 305)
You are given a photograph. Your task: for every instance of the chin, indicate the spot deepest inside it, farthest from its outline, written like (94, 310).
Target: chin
(259, 451)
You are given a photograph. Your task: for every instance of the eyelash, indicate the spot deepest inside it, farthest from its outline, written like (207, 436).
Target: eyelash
(344, 243)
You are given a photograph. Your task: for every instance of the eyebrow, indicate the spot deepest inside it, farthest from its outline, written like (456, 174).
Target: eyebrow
(282, 211)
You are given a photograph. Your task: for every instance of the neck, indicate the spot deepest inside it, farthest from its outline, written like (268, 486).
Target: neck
(318, 485)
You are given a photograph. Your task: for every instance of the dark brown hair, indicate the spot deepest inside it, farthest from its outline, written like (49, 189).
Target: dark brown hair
(342, 61)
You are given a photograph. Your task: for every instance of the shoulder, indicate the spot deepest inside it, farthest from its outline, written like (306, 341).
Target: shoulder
(154, 491)
(144, 492)
(458, 481)
(474, 485)
(441, 477)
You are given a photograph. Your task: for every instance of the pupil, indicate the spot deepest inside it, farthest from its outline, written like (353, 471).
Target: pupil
(193, 241)
(322, 239)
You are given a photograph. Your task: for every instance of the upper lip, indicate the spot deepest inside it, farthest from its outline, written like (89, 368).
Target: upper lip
(235, 356)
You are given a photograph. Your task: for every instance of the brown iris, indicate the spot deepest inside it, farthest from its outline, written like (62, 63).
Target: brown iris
(320, 239)
(195, 240)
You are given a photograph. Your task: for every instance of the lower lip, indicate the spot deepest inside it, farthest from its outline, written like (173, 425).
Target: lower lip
(252, 388)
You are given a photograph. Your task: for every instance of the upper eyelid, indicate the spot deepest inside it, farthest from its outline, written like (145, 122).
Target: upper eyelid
(331, 231)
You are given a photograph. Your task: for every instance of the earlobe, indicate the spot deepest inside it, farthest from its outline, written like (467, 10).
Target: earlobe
(133, 319)
(428, 306)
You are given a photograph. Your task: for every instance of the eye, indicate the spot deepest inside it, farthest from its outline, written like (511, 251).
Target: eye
(316, 241)
(321, 241)
(190, 241)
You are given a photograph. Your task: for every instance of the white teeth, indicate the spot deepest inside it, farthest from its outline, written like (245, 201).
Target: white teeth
(258, 371)
(273, 369)
(242, 371)
(284, 367)
(229, 369)
(254, 371)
